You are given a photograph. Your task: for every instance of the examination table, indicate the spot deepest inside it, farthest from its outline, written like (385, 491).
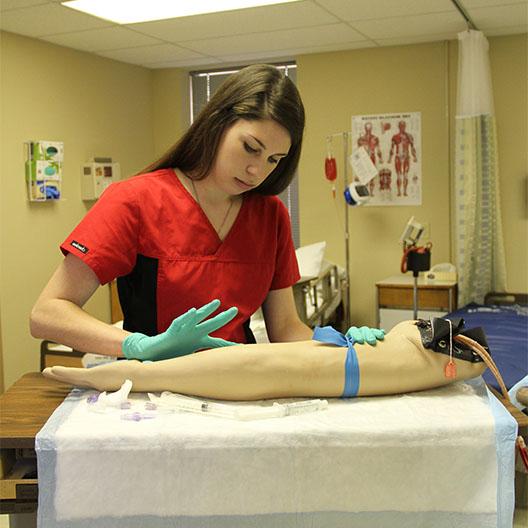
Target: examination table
(353, 465)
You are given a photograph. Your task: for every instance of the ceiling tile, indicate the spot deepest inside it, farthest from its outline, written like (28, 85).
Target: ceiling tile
(270, 18)
(102, 39)
(147, 54)
(17, 4)
(324, 48)
(264, 57)
(418, 39)
(276, 32)
(276, 40)
(48, 19)
(192, 63)
(500, 16)
(290, 53)
(410, 26)
(487, 3)
(366, 10)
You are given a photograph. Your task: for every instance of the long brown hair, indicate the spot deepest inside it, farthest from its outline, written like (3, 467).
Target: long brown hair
(259, 91)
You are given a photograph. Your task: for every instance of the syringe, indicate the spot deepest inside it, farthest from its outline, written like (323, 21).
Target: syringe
(302, 407)
(197, 406)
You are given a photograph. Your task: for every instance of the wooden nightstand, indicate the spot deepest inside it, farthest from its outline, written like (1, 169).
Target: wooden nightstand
(395, 299)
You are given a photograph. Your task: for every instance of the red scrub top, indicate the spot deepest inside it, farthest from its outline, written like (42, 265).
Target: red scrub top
(150, 233)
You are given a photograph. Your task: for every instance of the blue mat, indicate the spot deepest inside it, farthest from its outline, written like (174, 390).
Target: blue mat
(506, 329)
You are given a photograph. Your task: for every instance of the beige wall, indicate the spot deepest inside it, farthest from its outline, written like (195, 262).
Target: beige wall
(171, 107)
(97, 107)
(509, 69)
(422, 78)
(134, 114)
(336, 86)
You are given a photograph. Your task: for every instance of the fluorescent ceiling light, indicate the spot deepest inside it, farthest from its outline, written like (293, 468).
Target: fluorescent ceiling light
(133, 11)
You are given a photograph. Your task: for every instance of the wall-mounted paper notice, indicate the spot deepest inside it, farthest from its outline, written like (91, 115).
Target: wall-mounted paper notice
(362, 165)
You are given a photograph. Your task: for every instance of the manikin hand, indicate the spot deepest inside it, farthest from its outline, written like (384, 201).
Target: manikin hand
(186, 334)
(370, 335)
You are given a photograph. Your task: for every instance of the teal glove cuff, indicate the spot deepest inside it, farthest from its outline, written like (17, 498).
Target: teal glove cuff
(370, 335)
(131, 348)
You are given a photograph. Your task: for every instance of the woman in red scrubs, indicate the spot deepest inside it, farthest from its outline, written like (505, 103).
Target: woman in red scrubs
(201, 223)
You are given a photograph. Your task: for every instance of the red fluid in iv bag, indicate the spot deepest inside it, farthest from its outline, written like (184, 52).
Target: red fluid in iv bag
(330, 169)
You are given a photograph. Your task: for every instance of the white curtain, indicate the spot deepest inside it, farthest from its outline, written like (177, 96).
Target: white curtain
(478, 228)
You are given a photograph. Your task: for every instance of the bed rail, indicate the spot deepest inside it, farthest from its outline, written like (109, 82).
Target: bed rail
(506, 298)
(320, 300)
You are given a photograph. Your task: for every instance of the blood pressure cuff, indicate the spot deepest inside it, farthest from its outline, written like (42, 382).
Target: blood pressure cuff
(327, 334)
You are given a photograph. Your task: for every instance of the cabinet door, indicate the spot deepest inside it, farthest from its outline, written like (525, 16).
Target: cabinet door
(429, 298)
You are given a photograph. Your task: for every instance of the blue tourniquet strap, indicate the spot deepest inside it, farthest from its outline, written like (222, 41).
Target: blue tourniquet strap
(327, 334)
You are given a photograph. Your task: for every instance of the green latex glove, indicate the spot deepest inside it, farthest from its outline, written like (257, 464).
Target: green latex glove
(370, 335)
(186, 334)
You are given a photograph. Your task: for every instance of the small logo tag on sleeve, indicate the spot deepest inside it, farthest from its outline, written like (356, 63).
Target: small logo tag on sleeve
(80, 247)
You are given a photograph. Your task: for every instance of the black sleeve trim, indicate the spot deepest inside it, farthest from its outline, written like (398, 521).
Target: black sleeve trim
(137, 296)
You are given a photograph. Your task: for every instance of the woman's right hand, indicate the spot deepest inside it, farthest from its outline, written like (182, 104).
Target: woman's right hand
(186, 334)
(370, 335)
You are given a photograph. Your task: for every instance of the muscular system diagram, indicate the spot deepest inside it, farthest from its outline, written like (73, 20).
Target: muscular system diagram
(393, 144)
(372, 146)
(402, 148)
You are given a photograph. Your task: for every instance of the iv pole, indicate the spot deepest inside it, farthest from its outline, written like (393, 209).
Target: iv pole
(347, 234)
(345, 135)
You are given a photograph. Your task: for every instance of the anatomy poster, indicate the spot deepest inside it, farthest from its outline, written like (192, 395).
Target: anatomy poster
(393, 143)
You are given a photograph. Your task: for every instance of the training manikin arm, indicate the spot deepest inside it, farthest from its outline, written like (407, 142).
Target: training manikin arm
(58, 314)
(396, 365)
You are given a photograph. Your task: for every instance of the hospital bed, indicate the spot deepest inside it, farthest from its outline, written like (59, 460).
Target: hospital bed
(320, 301)
(504, 317)
(320, 294)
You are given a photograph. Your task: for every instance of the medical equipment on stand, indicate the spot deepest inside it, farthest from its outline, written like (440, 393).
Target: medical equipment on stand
(415, 258)
(182, 403)
(355, 193)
